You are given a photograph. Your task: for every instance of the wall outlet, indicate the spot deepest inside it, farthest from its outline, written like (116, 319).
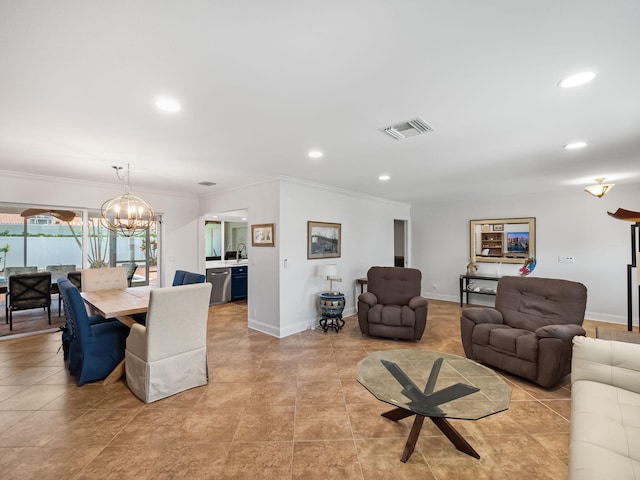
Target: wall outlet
(566, 259)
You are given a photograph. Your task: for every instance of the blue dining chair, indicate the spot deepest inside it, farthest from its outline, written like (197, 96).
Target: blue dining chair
(183, 277)
(191, 278)
(95, 346)
(178, 278)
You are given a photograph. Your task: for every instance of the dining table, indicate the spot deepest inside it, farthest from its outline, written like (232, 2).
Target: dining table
(120, 304)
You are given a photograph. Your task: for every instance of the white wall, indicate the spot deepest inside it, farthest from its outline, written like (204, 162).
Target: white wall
(180, 212)
(282, 300)
(568, 224)
(262, 202)
(367, 239)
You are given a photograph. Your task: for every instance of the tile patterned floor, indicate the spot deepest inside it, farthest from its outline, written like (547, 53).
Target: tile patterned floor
(273, 409)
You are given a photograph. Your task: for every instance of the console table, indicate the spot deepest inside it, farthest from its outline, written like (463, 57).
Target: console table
(464, 286)
(362, 282)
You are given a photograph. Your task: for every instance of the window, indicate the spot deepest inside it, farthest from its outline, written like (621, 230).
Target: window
(46, 237)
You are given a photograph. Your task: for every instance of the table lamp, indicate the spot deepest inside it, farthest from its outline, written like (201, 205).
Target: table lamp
(329, 272)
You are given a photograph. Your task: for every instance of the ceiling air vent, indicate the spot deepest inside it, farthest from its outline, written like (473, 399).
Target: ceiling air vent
(207, 183)
(410, 128)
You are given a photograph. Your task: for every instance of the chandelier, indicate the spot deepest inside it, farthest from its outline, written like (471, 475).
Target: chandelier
(128, 214)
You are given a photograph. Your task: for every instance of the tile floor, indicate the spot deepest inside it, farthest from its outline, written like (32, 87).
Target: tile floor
(273, 409)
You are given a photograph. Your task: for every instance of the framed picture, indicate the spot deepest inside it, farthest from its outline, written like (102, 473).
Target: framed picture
(498, 227)
(263, 235)
(323, 240)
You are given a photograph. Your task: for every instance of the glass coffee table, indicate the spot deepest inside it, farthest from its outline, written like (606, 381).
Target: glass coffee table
(432, 384)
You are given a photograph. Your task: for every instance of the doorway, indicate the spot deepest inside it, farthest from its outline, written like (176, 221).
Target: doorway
(400, 243)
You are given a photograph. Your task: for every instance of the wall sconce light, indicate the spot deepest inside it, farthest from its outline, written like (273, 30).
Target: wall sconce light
(127, 214)
(600, 189)
(330, 272)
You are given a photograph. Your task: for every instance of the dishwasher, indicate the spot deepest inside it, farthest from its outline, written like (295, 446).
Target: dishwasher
(220, 279)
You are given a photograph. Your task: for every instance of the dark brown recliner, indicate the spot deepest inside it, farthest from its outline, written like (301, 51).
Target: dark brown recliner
(392, 306)
(529, 332)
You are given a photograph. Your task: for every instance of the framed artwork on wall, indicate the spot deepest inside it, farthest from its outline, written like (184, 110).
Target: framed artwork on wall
(263, 235)
(498, 227)
(323, 240)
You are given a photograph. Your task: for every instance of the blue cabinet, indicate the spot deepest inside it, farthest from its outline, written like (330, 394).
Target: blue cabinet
(239, 282)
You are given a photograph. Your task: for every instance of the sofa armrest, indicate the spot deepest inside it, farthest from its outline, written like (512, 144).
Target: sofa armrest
(482, 315)
(417, 302)
(563, 332)
(368, 298)
(606, 361)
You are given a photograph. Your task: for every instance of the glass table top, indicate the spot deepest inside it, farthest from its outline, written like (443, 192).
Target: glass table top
(494, 394)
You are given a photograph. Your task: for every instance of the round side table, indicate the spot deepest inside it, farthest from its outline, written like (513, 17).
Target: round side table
(331, 307)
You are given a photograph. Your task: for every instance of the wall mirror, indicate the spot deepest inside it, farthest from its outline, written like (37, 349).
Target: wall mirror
(507, 240)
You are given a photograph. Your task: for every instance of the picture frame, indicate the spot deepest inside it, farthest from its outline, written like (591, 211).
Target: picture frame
(263, 235)
(323, 240)
(499, 227)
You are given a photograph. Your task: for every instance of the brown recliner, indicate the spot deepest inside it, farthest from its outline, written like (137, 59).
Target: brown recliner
(392, 306)
(529, 332)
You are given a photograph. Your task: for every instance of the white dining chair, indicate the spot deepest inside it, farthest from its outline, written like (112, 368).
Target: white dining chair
(169, 354)
(111, 278)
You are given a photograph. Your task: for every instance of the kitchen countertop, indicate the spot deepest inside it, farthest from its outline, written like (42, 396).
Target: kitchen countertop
(227, 263)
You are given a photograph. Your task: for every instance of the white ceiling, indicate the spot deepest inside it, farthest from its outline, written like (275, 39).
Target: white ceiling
(264, 82)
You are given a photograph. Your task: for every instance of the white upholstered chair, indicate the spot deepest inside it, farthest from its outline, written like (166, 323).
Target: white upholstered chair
(104, 279)
(169, 354)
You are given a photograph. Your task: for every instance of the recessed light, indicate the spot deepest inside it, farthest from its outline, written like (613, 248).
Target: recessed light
(574, 145)
(315, 154)
(577, 80)
(384, 178)
(167, 104)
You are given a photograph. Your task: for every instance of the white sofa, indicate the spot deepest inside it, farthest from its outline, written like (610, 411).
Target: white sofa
(605, 410)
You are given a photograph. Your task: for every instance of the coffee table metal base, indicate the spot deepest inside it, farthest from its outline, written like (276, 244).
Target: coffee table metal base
(445, 427)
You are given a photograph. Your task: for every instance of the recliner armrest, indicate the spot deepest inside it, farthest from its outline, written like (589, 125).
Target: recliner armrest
(417, 302)
(563, 332)
(483, 315)
(368, 298)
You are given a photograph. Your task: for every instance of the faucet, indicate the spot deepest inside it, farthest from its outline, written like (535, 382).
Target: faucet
(239, 249)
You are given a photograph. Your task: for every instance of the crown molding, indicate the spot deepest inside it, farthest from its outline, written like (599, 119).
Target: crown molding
(86, 183)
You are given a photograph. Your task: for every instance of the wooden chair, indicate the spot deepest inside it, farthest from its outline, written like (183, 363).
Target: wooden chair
(8, 271)
(27, 291)
(76, 279)
(59, 271)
